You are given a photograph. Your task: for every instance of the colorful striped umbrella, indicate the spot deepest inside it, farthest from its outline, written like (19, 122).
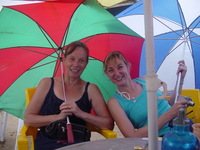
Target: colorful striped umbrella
(32, 35)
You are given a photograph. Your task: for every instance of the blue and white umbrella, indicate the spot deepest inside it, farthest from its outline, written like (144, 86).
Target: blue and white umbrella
(176, 37)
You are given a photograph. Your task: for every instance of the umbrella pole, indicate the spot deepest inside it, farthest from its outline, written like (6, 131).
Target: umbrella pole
(70, 136)
(178, 87)
(151, 78)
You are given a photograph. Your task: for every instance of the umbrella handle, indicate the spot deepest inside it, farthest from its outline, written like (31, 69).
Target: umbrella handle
(164, 85)
(70, 135)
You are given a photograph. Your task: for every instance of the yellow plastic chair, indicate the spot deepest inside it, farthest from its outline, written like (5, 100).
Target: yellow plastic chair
(27, 135)
(193, 111)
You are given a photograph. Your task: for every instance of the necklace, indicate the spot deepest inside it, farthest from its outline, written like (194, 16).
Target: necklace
(126, 95)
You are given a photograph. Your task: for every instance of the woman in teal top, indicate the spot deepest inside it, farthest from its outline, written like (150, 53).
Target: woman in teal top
(128, 106)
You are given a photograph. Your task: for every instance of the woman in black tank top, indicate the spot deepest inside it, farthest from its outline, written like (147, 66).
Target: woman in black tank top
(50, 102)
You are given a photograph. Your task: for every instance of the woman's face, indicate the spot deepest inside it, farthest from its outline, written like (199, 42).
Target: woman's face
(117, 71)
(76, 62)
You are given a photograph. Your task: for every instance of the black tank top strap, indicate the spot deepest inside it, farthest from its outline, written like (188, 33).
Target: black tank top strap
(86, 87)
(52, 84)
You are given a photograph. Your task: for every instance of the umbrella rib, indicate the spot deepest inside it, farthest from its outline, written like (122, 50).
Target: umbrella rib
(180, 12)
(165, 39)
(47, 39)
(37, 52)
(175, 47)
(192, 29)
(194, 36)
(195, 42)
(68, 25)
(166, 25)
(42, 65)
(195, 25)
(184, 29)
(189, 47)
(91, 37)
(65, 36)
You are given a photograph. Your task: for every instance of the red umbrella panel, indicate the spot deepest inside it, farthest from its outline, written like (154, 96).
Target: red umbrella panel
(33, 35)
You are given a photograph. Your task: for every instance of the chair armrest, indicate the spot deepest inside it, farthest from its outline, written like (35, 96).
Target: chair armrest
(25, 142)
(108, 134)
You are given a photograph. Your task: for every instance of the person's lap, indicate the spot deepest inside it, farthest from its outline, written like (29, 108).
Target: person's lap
(44, 143)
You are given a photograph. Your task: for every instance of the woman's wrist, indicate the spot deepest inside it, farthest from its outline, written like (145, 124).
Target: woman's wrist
(60, 117)
(169, 115)
(181, 83)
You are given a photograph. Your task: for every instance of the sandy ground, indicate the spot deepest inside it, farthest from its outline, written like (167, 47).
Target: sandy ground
(11, 132)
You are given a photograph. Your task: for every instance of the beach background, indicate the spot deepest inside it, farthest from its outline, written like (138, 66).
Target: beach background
(11, 133)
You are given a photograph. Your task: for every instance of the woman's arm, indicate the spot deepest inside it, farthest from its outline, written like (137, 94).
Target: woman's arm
(171, 113)
(127, 128)
(31, 116)
(123, 122)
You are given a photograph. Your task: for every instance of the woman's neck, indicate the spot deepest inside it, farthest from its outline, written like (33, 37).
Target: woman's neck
(129, 87)
(128, 91)
(72, 82)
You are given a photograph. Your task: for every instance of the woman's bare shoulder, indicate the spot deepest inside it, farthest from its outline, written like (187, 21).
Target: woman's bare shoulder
(93, 87)
(112, 100)
(45, 82)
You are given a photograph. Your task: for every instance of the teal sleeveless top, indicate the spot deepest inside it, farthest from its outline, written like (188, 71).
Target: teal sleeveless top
(136, 109)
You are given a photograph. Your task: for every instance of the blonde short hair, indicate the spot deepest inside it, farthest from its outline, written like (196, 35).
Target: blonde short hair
(115, 55)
